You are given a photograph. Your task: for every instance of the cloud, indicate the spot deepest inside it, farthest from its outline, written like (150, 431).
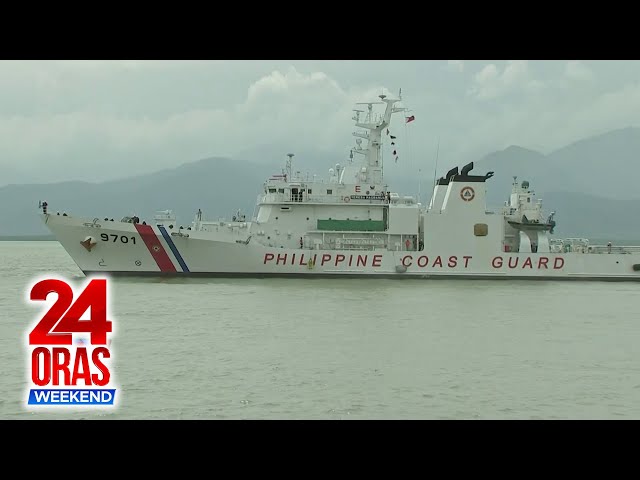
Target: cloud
(278, 83)
(280, 108)
(490, 82)
(455, 65)
(575, 70)
(98, 120)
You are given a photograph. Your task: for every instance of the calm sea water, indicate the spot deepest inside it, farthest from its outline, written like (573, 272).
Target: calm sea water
(345, 348)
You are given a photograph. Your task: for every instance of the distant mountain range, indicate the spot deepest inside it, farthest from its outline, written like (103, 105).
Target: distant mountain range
(606, 165)
(591, 184)
(218, 186)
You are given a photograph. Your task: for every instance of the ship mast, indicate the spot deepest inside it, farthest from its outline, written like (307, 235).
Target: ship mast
(289, 169)
(375, 124)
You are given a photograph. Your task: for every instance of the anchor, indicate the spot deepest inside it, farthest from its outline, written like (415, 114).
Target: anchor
(101, 263)
(88, 243)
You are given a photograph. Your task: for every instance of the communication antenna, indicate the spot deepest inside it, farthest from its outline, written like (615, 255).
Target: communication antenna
(435, 170)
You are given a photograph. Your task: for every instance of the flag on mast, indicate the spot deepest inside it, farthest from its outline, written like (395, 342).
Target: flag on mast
(410, 119)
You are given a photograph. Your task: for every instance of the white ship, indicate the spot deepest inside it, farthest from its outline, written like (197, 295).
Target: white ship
(351, 224)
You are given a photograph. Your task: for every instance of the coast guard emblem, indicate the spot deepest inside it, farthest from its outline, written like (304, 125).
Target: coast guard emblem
(467, 194)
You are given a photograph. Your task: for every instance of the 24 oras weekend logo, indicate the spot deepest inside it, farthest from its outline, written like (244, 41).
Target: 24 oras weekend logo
(69, 346)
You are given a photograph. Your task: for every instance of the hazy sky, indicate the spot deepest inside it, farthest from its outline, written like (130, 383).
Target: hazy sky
(98, 120)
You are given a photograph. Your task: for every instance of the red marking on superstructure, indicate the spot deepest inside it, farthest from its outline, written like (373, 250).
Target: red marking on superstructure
(157, 251)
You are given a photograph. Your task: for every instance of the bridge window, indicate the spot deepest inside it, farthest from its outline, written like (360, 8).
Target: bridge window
(329, 192)
(272, 190)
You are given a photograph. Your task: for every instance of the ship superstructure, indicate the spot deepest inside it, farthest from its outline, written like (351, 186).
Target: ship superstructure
(351, 224)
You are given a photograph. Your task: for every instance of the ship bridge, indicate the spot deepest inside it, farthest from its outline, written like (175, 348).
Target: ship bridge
(352, 206)
(344, 186)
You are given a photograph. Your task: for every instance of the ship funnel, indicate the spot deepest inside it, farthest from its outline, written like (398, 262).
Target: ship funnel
(466, 169)
(451, 173)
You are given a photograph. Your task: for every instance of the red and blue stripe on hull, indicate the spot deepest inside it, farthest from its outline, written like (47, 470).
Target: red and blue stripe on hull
(173, 248)
(157, 251)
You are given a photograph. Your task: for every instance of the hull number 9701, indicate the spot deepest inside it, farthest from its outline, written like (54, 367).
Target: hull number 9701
(115, 238)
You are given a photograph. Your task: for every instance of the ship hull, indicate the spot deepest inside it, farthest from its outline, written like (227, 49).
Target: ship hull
(126, 249)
